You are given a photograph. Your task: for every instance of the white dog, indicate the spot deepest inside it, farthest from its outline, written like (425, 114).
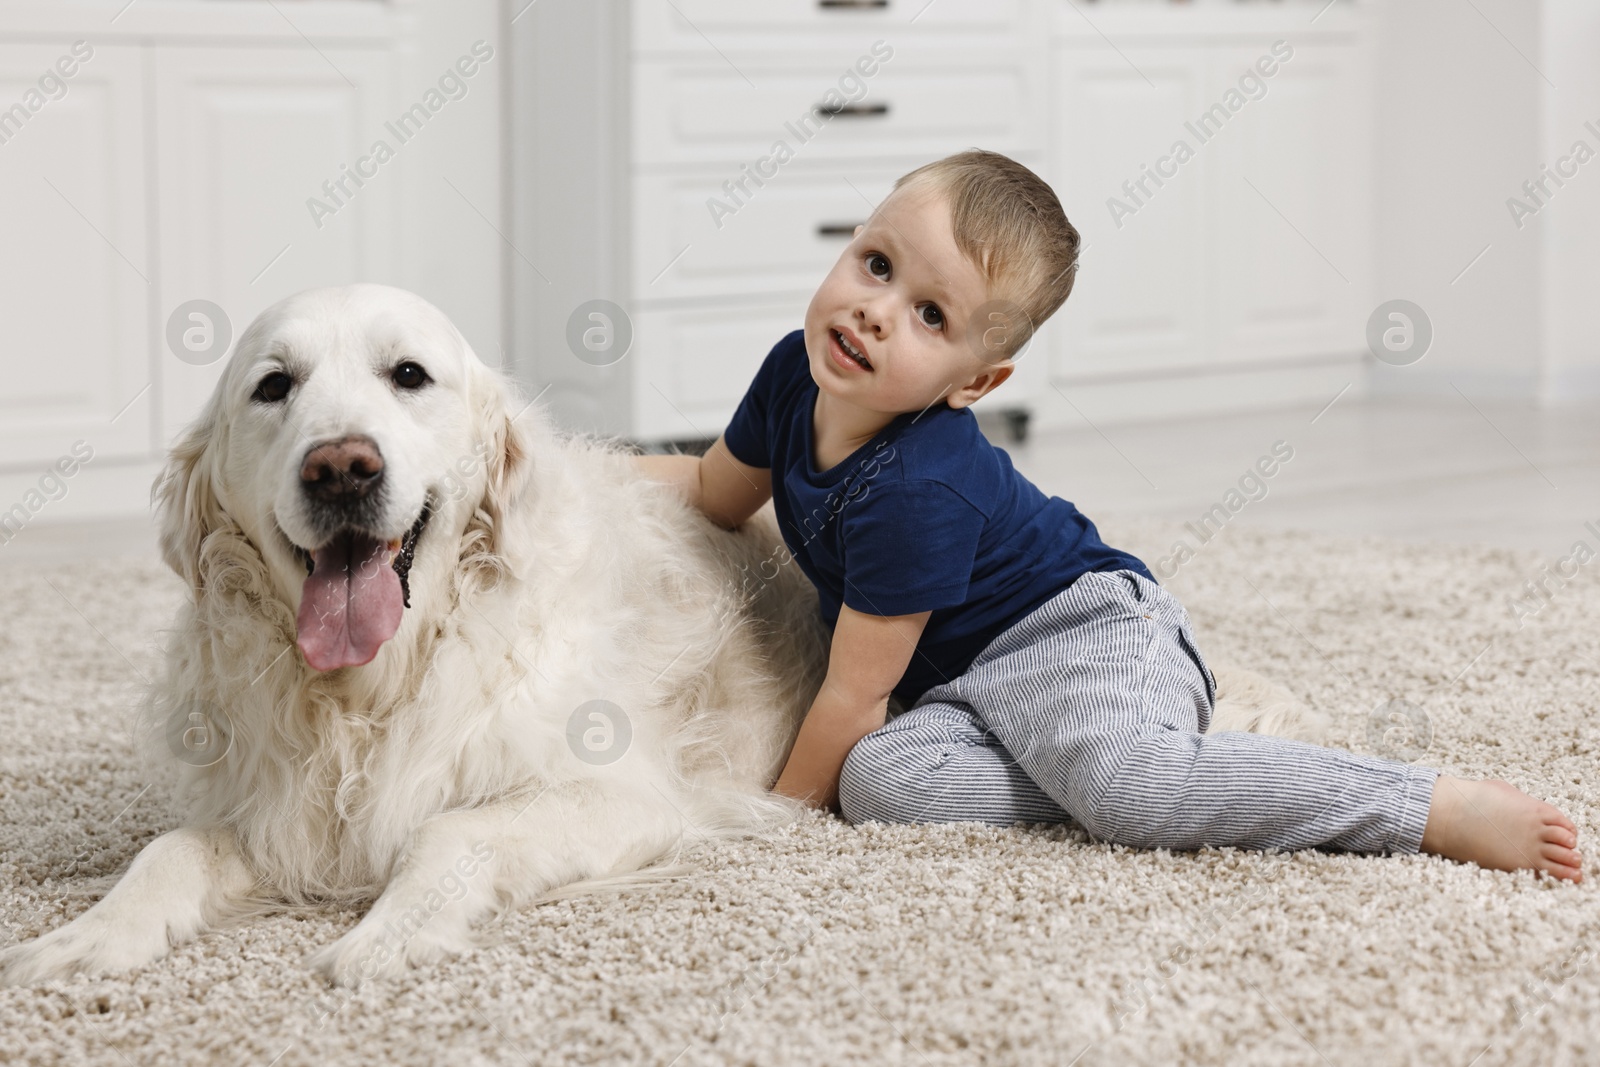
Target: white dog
(442, 657)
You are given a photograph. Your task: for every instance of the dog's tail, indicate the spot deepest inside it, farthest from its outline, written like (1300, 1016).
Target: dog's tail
(629, 881)
(1248, 703)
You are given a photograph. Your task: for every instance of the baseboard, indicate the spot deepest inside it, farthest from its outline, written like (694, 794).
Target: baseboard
(101, 492)
(1558, 385)
(1065, 405)
(1571, 385)
(1442, 382)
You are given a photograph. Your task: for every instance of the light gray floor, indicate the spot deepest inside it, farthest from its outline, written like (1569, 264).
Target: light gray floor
(1514, 476)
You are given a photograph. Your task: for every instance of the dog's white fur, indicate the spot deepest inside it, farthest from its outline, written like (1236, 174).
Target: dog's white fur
(443, 778)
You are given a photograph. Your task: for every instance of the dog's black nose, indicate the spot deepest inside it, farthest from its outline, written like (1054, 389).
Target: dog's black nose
(343, 470)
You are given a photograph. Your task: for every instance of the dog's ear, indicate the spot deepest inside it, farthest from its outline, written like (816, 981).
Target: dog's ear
(508, 460)
(186, 500)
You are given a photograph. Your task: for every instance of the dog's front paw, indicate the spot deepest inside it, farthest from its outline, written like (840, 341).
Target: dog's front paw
(376, 950)
(88, 945)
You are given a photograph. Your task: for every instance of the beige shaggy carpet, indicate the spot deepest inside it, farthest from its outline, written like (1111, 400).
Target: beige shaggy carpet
(900, 945)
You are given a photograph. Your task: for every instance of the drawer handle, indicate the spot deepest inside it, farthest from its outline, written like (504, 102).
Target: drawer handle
(856, 5)
(854, 111)
(837, 229)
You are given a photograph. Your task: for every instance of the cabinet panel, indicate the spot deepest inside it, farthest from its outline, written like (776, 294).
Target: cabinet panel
(1290, 244)
(694, 366)
(250, 136)
(1136, 303)
(781, 25)
(783, 238)
(709, 114)
(75, 332)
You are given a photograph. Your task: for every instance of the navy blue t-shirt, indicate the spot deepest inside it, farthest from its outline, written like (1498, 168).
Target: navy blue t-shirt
(928, 515)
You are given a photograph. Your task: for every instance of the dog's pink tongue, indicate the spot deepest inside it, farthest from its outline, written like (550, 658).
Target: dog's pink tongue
(350, 605)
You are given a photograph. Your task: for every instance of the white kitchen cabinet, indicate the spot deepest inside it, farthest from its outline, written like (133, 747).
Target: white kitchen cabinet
(77, 274)
(1288, 210)
(916, 106)
(1238, 246)
(644, 113)
(694, 364)
(783, 240)
(683, 26)
(1138, 302)
(647, 113)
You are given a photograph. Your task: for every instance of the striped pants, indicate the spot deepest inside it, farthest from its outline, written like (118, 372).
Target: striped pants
(1094, 709)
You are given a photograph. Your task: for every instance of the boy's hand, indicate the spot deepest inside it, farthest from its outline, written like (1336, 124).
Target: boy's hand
(725, 490)
(866, 660)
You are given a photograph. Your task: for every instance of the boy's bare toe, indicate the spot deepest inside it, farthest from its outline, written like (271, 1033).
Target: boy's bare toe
(1563, 856)
(1566, 874)
(1560, 835)
(1553, 816)
(1499, 827)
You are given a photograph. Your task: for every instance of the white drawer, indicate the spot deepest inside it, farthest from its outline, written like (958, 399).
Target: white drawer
(784, 238)
(1203, 24)
(693, 366)
(707, 113)
(745, 25)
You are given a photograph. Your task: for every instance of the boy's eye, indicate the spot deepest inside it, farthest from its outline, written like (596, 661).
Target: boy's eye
(877, 264)
(931, 316)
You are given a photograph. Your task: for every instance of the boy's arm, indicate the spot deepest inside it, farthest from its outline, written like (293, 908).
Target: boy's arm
(726, 490)
(866, 661)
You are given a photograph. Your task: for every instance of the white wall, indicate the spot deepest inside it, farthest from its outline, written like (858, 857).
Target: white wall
(1465, 115)
(1570, 225)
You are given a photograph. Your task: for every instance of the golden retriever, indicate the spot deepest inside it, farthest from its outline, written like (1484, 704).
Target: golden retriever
(437, 654)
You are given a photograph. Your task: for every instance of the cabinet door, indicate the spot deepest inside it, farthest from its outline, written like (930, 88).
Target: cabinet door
(783, 239)
(247, 139)
(1137, 301)
(916, 106)
(838, 28)
(74, 334)
(1289, 270)
(692, 366)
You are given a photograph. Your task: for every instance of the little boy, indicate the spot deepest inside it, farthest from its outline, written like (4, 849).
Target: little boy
(1047, 677)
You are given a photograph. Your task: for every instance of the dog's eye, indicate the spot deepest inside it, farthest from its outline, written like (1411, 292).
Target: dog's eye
(409, 375)
(273, 388)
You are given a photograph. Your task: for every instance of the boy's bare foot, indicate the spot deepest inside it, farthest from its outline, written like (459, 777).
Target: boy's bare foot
(1496, 825)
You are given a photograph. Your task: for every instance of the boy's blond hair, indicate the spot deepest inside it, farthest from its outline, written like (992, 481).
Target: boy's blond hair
(1008, 222)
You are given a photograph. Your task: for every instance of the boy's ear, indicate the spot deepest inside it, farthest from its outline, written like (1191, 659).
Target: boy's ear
(986, 381)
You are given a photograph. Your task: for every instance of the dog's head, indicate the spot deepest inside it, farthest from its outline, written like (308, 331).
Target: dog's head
(353, 436)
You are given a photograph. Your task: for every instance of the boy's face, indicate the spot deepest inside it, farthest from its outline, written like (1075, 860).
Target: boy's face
(901, 295)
